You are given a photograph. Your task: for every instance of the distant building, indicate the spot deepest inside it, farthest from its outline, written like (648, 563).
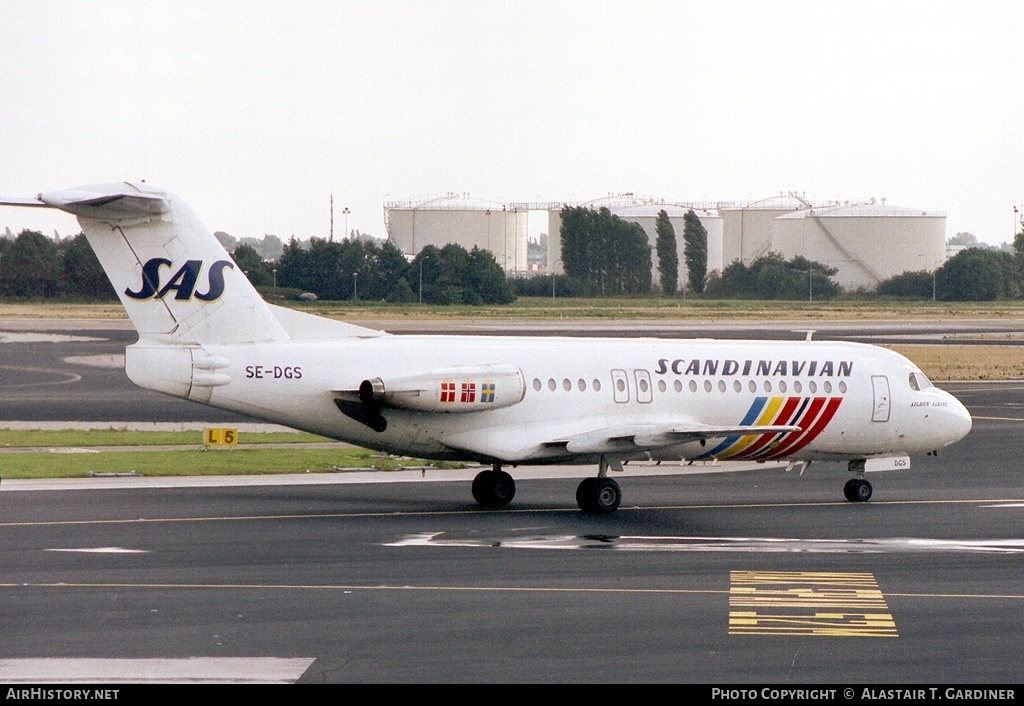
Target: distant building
(455, 218)
(867, 242)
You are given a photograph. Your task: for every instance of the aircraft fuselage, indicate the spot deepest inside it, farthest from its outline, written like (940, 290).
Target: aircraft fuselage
(848, 400)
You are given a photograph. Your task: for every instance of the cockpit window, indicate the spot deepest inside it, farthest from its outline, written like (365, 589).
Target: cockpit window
(918, 381)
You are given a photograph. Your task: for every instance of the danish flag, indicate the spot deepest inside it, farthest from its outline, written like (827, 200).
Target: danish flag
(447, 391)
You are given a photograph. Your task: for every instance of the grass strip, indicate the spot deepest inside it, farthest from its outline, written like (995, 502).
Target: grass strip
(17, 438)
(199, 462)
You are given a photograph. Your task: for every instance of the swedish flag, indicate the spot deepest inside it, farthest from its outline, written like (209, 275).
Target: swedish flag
(487, 392)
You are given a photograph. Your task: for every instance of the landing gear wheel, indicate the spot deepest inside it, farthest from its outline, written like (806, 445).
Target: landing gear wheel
(857, 490)
(494, 488)
(598, 496)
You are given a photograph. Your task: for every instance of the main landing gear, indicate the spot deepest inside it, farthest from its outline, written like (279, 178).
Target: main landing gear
(601, 495)
(495, 488)
(598, 496)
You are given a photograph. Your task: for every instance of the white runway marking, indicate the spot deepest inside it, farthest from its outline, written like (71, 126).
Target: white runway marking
(35, 337)
(768, 545)
(102, 550)
(106, 360)
(193, 670)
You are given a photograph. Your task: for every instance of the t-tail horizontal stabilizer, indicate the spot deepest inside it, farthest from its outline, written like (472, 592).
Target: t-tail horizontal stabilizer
(173, 277)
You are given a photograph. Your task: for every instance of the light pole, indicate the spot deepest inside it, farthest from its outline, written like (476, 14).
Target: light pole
(421, 276)
(346, 212)
(355, 286)
(935, 267)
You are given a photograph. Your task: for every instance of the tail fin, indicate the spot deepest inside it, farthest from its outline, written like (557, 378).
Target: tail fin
(172, 275)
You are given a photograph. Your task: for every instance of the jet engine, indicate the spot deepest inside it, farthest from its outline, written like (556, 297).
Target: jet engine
(469, 389)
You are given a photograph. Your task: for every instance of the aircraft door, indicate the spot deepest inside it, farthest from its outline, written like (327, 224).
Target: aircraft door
(882, 402)
(620, 385)
(644, 393)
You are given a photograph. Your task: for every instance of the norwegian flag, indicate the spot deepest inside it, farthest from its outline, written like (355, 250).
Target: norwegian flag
(468, 392)
(447, 391)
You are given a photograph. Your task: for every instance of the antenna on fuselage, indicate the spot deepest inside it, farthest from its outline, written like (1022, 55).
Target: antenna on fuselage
(809, 333)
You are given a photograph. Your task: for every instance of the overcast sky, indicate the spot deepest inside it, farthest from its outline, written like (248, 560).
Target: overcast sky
(257, 112)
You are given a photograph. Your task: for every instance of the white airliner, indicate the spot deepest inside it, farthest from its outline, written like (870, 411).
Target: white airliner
(206, 335)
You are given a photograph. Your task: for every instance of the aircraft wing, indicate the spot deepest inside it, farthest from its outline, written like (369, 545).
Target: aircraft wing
(503, 444)
(656, 436)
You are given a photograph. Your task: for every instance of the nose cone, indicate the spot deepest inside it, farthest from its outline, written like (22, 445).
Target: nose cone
(956, 421)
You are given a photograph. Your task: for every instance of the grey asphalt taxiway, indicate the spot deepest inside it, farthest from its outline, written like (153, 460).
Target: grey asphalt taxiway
(758, 576)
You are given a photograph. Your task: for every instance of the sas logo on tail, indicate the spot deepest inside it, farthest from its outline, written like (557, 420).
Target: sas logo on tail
(183, 282)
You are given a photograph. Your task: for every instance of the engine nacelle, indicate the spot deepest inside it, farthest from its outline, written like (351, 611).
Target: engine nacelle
(469, 389)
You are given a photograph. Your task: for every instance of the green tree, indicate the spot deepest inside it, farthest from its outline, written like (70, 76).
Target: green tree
(31, 267)
(668, 256)
(254, 267)
(603, 254)
(485, 277)
(451, 275)
(772, 277)
(291, 267)
(695, 237)
(977, 274)
(389, 274)
(83, 276)
(907, 284)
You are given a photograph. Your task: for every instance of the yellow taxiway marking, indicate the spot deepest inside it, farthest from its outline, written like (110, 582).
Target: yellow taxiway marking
(808, 603)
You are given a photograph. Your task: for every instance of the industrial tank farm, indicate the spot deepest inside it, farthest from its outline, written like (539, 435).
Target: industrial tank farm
(867, 241)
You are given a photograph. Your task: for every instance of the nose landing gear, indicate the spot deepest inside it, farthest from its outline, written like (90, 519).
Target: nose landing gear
(857, 490)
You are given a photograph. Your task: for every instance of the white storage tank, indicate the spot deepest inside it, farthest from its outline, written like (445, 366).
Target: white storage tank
(747, 230)
(867, 242)
(455, 218)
